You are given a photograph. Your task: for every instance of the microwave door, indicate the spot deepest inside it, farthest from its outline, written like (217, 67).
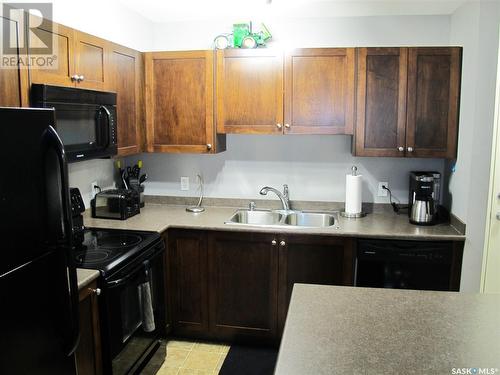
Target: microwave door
(77, 125)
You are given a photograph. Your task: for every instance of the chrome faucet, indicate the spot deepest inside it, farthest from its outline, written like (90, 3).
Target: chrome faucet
(284, 197)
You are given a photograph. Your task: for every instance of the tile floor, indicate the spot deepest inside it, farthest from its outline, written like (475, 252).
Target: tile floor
(190, 357)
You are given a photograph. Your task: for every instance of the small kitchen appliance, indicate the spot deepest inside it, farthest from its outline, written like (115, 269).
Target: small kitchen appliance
(86, 119)
(424, 197)
(115, 204)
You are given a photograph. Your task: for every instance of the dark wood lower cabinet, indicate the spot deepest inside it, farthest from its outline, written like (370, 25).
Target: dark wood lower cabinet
(312, 260)
(236, 286)
(243, 285)
(88, 353)
(187, 282)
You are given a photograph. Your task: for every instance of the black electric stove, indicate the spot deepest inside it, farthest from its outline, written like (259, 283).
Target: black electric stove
(109, 250)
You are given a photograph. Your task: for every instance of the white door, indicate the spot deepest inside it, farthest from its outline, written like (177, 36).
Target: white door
(490, 278)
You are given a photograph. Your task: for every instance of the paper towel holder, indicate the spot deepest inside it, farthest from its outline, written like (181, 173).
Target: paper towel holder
(358, 215)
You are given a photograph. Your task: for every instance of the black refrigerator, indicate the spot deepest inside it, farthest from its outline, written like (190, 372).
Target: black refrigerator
(38, 285)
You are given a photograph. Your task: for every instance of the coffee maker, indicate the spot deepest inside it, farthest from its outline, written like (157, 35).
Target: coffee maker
(424, 197)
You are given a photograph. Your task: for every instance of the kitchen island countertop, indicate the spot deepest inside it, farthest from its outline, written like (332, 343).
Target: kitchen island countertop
(346, 330)
(159, 217)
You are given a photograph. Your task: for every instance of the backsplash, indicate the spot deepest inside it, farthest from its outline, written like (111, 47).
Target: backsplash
(83, 173)
(314, 167)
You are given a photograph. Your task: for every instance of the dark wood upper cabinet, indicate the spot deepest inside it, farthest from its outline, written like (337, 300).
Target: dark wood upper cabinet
(381, 103)
(89, 352)
(188, 281)
(433, 100)
(124, 76)
(407, 102)
(312, 260)
(63, 41)
(90, 61)
(179, 102)
(249, 91)
(319, 91)
(14, 80)
(243, 283)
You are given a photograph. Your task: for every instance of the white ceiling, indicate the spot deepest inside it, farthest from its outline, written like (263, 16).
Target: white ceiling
(181, 10)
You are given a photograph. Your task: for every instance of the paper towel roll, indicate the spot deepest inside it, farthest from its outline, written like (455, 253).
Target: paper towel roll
(353, 194)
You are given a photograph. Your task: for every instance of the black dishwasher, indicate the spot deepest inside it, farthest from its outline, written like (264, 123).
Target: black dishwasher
(404, 264)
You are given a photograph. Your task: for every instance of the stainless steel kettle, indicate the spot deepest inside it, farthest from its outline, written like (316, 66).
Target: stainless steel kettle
(423, 212)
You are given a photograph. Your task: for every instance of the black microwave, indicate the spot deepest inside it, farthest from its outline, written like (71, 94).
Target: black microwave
(85, 119)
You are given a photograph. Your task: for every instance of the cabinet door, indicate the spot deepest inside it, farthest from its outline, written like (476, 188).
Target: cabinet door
(90, 61)
(312, 260)
(63, 42)
(381, 103)
(187, 270)
(179, 101)
(433, 97)
(249, 92)
(319, 91)
(88, 354)
(13, 79)
(123, 73)
(243, 285)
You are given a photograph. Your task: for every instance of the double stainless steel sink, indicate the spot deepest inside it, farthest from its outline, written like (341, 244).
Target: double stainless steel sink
(284, 218)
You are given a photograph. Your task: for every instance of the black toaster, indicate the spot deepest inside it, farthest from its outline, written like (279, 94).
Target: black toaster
(115, 204)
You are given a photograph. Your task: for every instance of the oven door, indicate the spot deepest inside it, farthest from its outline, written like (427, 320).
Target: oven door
(87, 130)
(129, 333)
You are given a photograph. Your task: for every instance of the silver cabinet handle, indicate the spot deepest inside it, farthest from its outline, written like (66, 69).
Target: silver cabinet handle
(287, 126)
(279, 126)
(401, 148)
(81, 78)
(96, 291)
(75, 77)
(273, 242)
(410, 149)
(282, 243)
(209, 146)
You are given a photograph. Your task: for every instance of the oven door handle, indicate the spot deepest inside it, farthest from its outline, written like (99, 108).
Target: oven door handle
(123, 280)
(145, 265)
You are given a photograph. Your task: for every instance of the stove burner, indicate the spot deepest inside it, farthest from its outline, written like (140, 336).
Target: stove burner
(116, 241)
(94, 256)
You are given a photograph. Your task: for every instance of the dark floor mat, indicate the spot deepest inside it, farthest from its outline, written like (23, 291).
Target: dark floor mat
(249, 360)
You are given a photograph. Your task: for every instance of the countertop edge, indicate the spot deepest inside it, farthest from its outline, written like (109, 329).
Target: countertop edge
(305, 231)
(85, 277)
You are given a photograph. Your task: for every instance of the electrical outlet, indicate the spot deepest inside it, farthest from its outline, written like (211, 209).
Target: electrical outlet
(93, 190)
(184, 183)
(381, 191)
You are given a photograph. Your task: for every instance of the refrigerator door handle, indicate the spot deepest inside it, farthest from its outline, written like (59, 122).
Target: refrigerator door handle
(55, 142)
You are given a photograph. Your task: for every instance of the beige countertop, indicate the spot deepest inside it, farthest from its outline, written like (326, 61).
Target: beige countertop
(85, 277)
(347, 330)
(159, 217)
